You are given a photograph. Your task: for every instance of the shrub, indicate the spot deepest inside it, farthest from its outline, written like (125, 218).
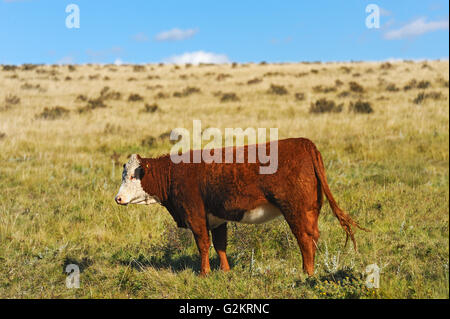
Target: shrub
(299, 96)
(107, 94)
(301, 74)
(53, 113)
(150, 108)
(323, 89)
(274, 74)
(165, 137)
(222, 76)
(29, 67)
(277, 89)
(342, 284)
(135, 98)
(12, 99)
(81, 98)
(161, 95)
(148, 141)
(419, 98)
(422, 96)
(254, 81)
(412, 84)
(28, 86)
(229, 97)
(138, 68)
(186, 92)
(152, 87)
(325, 106)
(434, 95)
(360, 107)
(392, 88)
(386, 66)
(346, 69)
(111, 129)
(9, 67)
(92, 105)
(442, 82)
(356, 87)
(423, 84)
(343, 94)
(151, 141)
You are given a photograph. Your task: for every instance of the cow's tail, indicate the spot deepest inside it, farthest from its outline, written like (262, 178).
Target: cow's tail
(344, 219)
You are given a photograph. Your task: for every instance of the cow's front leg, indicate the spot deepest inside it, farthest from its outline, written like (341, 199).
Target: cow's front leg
(202, 239)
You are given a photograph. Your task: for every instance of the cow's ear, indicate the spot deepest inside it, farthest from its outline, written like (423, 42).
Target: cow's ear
(138, 158)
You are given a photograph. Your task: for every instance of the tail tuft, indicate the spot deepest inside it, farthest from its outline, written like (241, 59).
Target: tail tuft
(344, 219)
(347, 222)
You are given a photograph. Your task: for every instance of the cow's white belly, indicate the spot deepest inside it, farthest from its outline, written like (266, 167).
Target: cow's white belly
(258, 215)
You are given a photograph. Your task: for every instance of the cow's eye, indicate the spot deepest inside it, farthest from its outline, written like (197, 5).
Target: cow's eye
(131, 177)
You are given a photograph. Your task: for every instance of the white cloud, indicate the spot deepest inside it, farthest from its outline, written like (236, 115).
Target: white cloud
(66, 60)
(99, 56)
(416, 28)
(384, 12)
(198, 57)
(175, 34)
(118, 61)
(140, 37)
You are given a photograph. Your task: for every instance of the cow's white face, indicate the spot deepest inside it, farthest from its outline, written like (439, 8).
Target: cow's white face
(131, 191)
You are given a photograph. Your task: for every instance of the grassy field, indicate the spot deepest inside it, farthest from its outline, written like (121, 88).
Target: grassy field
(65, 131)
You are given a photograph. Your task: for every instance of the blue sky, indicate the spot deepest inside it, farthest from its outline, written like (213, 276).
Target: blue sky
(34, 31)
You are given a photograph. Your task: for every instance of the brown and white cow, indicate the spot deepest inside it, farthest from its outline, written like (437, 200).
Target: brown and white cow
(206, 196)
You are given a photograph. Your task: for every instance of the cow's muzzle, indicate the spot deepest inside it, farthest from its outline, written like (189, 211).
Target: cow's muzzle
(119, 200)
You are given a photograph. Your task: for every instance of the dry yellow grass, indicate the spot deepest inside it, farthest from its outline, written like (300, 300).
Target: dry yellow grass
(389, 168)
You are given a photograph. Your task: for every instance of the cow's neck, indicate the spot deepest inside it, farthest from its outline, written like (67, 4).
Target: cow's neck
(157, 182)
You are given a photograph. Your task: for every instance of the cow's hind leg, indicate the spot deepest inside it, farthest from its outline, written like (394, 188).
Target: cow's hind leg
(219, 237)
(304, 226)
